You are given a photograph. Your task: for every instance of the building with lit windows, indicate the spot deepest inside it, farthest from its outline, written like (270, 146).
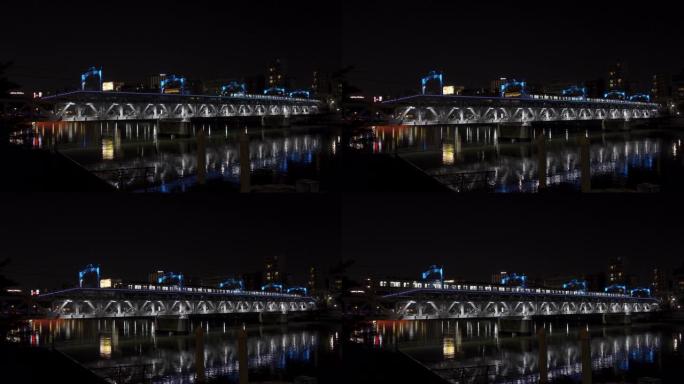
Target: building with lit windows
(272, 270)
(616, 271)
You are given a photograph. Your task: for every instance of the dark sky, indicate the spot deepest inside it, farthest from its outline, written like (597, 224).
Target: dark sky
(390, 43)
(50, 236)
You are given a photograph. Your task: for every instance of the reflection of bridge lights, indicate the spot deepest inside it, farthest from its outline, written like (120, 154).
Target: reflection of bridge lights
(106, 347)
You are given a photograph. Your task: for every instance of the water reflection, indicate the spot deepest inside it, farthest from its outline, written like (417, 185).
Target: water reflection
(468, 351)
(171, 159)
(128, 347)
(444, 152)
(617, 159)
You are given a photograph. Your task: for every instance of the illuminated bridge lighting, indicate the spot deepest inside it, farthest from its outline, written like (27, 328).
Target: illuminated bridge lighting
(91, 268)
(615, 95)
(171, 278)
(616, 288)
(514, 278)
(297, 290)
(432, 76)
(147, 300)
(641, 292)
(233, 88)
(168, 81)
(275, 91)
(520, 89)
(237, 284)
(432, 272)
(575, 91)
(91, 73)
(576, 285)
(640, 97)
(272, 287)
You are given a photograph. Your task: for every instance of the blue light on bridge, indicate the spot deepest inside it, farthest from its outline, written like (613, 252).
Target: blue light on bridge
(90, 268)
(642, 97)
(616, 288)
(615, 95)
(640, 292)
(277, 91)
(171, 278)
(297, 290)
(233, 88)
(433, 75)
(91, 73)
(432, 272)
(272, 287)
(165, 83)
(232, 284)
(576, 285)
(514, 278)
(520, 85)
(302, 94)
(575, 91)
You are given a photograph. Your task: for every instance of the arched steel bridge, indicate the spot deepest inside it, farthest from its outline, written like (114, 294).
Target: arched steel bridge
(141, 301)
(477, 301)
(118, 106)
(468, 110)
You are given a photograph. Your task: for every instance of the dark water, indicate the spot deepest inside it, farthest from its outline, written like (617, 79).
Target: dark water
(468, 350)
(463, 158)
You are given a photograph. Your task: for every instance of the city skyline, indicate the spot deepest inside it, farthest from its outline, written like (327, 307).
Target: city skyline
(365, 36)
(307, 235)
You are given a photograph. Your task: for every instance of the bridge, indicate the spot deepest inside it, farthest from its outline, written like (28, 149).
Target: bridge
(146, 301)
(525, 110)
(420, 301)
(84, 105)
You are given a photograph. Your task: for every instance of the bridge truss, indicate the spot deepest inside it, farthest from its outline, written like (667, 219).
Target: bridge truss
(152, 301)
(419, 304)
(116, 106)
(469, 110)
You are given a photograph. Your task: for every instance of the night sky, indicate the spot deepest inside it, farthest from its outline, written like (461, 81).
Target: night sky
(49, 237)
(389, 43)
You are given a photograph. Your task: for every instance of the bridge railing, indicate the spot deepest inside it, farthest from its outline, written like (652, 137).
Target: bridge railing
(404, 288)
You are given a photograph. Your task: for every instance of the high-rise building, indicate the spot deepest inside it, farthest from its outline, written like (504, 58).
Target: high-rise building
(155, 81)
(272, 270)
(616, 271)
(616, 78)
(661, 88)
(275, 76)
(312, 280)
(498, 276)
(153, 278)
(658, 283)
(495, 86)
